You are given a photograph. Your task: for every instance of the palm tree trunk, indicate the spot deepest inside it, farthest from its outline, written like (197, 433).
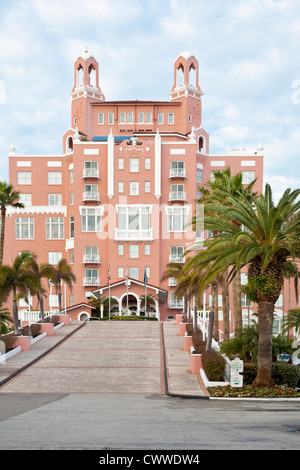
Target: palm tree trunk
(225, 303)
(216, 319)
(3, 214)
(15, 312)
(59, 298)
(42, 306)
(264, 357)
(237, 303)
(211, 318)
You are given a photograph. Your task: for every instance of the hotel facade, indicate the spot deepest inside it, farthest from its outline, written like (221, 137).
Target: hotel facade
(121, 196)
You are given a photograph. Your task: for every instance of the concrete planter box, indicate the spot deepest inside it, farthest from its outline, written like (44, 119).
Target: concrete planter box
(179, 317)
(187, 343)
(182, 328)
(196, 363)
(47, 328)
(24, 342)
(207, 383)
(64, 318)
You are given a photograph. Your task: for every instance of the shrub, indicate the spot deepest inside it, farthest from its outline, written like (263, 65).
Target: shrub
(214, 365)
(8, 341)
(198, 342)
(31, 330)
(281, 372)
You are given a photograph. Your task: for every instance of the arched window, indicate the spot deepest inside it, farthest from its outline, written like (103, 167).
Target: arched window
(180, 76)
(149, 117)
(70, 145)
(92, 76)
(192, 75)
(122, 117)
(201, 144)
(141, 117)
(79, 76)
(130, 117)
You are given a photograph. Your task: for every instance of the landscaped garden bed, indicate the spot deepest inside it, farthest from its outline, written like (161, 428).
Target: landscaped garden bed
(251, 392)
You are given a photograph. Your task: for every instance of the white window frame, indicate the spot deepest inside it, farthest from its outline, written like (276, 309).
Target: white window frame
(87, 215)
(147, 187)
(248, 177)
(100, 119)
(110, 118)
(121, 163)
(147, 163)
(178, 225)
(133, 251)
(134, 165)
(54, 257)
(51, 223)
(160, 118)
(56, 199)
(171, 118)
(134, 272)
(26, 199)
(24, 177)
(134, 188)
(120, 186)
(24, 225)
(54, 177)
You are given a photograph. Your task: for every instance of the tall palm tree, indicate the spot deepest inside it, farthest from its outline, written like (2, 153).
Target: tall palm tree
(18, 280)
(263, 239)
(39, 271)
(62, 273)
(292, 320)
(8, 197)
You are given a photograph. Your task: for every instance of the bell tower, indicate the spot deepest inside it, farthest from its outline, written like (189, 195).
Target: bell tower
(187, 90)
(86, 89)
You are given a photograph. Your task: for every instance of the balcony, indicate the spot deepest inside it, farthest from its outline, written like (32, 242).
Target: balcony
(91, 173)
(91, 281)
(177, 173)
(176, 259)
(91, 196)
(133, 235)
(176, 304)
(177, 196)
(172, 282)
(91, 259)
(69, 244)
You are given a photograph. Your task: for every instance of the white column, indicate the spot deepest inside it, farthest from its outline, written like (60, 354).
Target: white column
(157, 189)
(110, 165)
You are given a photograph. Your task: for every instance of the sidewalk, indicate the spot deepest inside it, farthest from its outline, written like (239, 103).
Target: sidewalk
(180, 381)
(24, 359)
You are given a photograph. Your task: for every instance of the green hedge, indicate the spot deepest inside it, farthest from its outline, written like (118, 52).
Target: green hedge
(281, 372)
(213, 365)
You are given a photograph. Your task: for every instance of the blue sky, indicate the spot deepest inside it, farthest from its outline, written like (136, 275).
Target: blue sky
(248, 53)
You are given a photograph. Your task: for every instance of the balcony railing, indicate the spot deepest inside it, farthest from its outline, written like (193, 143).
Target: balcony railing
(91, 281)
(172, 282)
(176, 304)
(91, 259)
(177, 196)
(91, 196)
(176, 259)
(69, 244)
(90, 173)
(136, 235)
(177, 173)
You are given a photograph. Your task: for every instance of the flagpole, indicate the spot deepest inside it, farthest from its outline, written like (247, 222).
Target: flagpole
(145, 281)
(127, 286)
(109, 292)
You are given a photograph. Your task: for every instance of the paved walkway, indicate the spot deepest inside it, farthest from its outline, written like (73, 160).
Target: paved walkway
(104, 357)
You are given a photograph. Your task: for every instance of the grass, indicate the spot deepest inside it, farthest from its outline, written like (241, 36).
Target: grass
(247, 391)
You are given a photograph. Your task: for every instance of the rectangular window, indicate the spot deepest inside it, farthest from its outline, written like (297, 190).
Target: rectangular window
(147, 163)
(160, 118)
(54, 199)
(71, 255)
(54, 257)
(147, 250)
(100, 118)
(54, 177)
(134, 188)
(248, 176)
(71, 198)
(90, 220)
(134, 165)
(120, 272)
(120, 186)
(147, 186)
(53, 300)
(91, 254)
(110, 118)
(133, 251)
(134, 272)
(199, 176)
(177, 219)
(24, 177)
(55, 228)
(72, 300)
(170, 118)
(120, 250)
(176, 254)
(91, 169)
(26, 199)
(120, 163)
(71, 176)
(24, 228)
(72, 226)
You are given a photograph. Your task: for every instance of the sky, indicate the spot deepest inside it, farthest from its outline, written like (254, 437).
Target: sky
(249, 69)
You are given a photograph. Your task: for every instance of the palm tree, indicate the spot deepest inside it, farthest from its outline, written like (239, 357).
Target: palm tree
(147, 300)
(4, 319)
(8, 197)
(18, 280)
(263, 239)
(39, 271)
(292, 320)
(59, 274)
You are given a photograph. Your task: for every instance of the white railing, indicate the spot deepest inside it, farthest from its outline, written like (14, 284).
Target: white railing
(93, 259)
(177, 173)
(176, 259)
(91, 196)
(177, 196)
(90, 173)
(32, 316)
(69, 244)
(137, 235)
(91, 281)
(176, 304)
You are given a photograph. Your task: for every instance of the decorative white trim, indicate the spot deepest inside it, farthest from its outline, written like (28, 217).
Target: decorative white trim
(38, 210)
(27, 164)
(157, 190)
(248, 163)
(91, 151)
(177, 152)
(217, 163)
(54, 164)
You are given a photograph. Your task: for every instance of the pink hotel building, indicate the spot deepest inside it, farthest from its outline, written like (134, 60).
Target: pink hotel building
(122, 193)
